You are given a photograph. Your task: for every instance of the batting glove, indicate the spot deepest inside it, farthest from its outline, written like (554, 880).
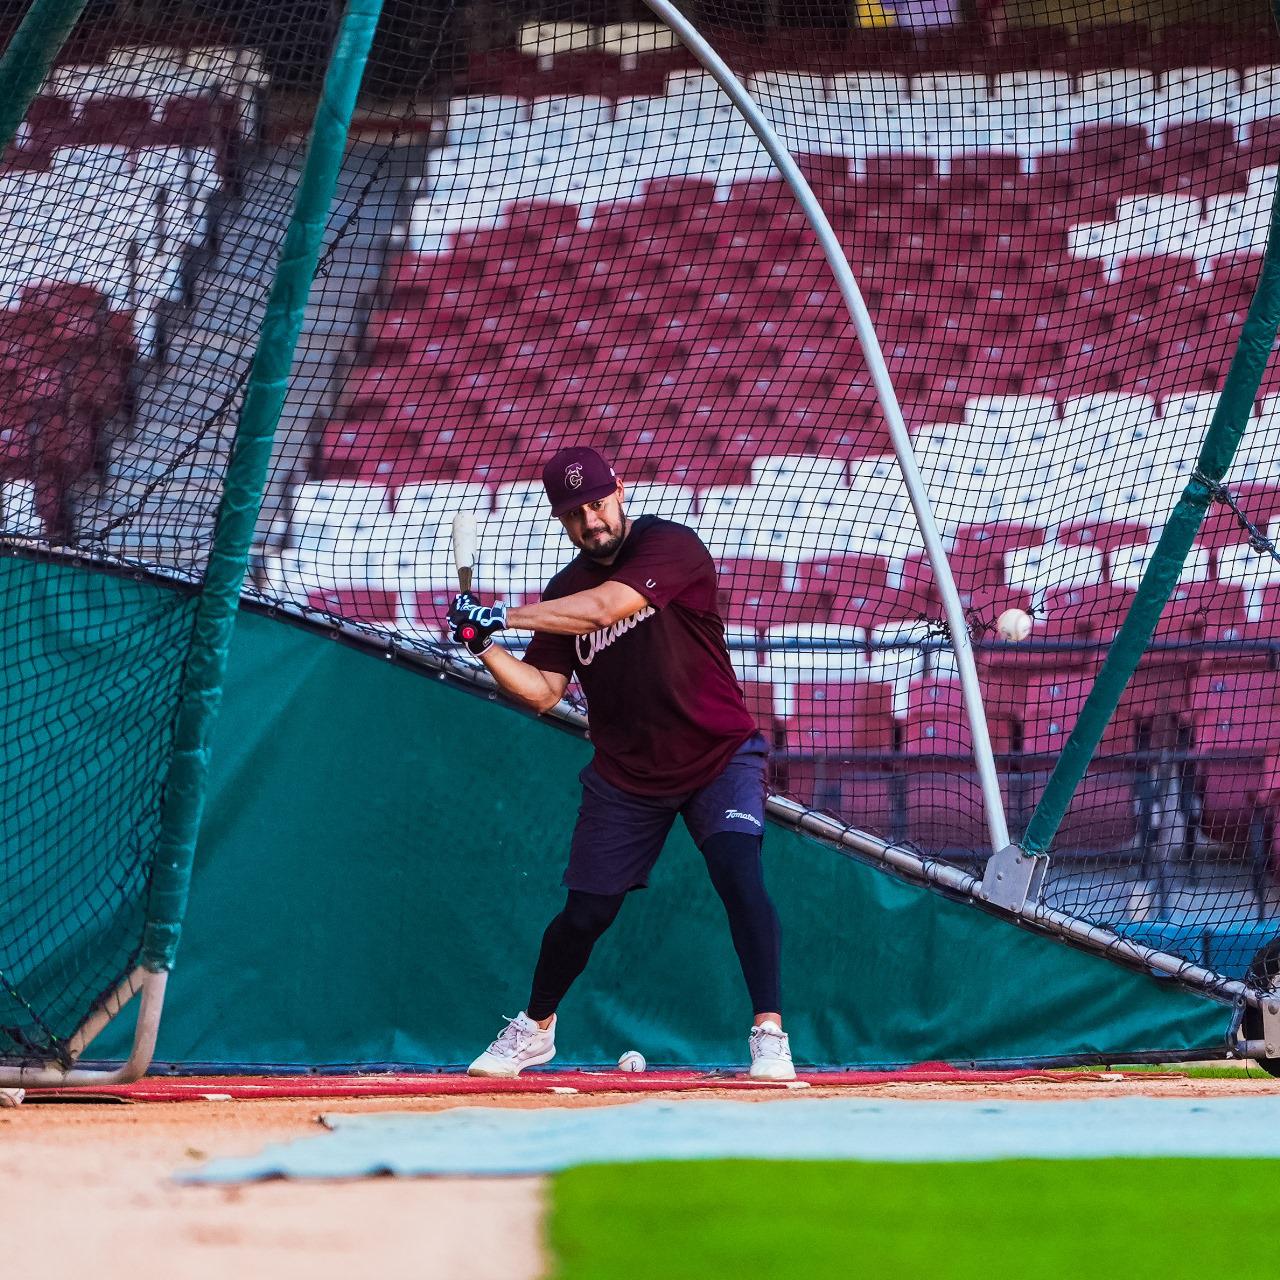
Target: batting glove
(473, 623)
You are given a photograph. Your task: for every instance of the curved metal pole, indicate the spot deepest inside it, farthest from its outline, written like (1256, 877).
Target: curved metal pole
(858, 313)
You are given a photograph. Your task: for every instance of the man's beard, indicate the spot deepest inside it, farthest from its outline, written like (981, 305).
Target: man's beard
(603, 550)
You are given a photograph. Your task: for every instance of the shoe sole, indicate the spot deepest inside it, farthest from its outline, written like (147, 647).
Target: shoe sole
(486, 1073)
(772, 1074)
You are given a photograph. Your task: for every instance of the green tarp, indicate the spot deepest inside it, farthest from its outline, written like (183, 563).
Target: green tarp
(381, 852)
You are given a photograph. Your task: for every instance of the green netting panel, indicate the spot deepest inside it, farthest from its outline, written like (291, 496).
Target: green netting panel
(144, 206)
(86, 703)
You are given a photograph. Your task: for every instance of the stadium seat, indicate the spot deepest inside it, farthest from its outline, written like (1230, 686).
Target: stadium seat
(1195, 613)
(830, 726)
(1236, 768)
(369, 605)
(1101, 820)
(945, 814)
(842, 577)
(937, 723)
(1222, 528)
(750, 593)
(978, 552)
(1051, 710)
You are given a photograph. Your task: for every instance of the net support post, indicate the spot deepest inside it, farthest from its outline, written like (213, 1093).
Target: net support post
(984, 759)
(1013, 878)
(29, 55)
(246, 473)
(56, 1076)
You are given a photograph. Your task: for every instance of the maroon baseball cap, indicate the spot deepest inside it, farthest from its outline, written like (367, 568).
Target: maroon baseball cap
(575, 476)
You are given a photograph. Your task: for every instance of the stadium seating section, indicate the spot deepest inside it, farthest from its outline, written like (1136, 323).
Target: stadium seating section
(105, 196)
(601, 251)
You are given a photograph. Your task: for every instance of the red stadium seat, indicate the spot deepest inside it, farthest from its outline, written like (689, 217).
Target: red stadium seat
(48, 111)
(541, 220)
(1101, 818)
(1263, 142)
(1222, 527)
(845, 575)
(871, 607)
(1107, 536)
(937, 723)
(358, 604)
(372, 451)
(198, 122)
(750, 591)
(1234, 719)
(852, 717)
(945, 812)
(978, 552)
(1196, 611)
(836, 723)
(1091, 615)
(1052, 707)
(116, 119)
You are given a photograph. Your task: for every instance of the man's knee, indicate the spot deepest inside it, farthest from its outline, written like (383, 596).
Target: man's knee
(734, 861)
(590, 914)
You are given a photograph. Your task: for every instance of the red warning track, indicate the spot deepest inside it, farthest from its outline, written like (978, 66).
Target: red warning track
(439, 1084)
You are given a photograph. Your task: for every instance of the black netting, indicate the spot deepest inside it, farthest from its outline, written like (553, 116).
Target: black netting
(142, 208)
(1057, 228)
(553, 228)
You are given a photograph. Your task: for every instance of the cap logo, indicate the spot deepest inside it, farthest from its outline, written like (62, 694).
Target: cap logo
(573, 476)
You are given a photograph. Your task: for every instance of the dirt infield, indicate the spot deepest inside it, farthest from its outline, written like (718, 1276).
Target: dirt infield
(91, 1186)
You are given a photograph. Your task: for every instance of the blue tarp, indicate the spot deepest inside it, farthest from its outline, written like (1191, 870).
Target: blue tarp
(495, 1141)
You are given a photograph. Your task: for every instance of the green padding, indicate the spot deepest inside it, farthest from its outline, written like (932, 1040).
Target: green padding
(89, 673)
(28, 56)
(246, 476)
(381, 853)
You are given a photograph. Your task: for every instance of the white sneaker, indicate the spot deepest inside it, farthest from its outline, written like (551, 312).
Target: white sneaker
(522, 1044)
(770, 1053)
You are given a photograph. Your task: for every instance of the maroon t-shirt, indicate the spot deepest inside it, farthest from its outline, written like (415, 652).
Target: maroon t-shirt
(665, 707)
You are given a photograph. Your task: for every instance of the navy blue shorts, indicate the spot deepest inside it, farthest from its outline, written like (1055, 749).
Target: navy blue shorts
(620, 835)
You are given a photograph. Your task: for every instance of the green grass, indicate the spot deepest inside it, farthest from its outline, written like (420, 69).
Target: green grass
(1226, 1071)
(1030, 1219)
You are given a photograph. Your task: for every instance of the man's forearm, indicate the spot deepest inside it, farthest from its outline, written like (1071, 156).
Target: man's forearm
(572, 616)
(579, 614)
(520, 680)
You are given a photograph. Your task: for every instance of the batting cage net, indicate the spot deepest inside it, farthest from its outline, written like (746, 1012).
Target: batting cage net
(554, 227)
(145, 200)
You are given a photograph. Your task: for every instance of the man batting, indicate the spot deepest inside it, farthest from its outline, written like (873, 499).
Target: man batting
(635, 617)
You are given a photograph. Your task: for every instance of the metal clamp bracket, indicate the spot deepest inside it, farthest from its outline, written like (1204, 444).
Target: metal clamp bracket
(1255, 1032)
(1013, 878)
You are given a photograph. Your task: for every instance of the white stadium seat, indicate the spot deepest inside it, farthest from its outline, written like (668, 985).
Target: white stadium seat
(1129, 564)
(1051, 565)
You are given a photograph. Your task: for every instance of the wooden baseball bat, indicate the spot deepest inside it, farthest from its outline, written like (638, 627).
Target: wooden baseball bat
(464, 547)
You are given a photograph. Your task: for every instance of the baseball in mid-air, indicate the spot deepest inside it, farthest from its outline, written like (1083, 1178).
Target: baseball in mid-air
(1013, 625)
(632, 1061)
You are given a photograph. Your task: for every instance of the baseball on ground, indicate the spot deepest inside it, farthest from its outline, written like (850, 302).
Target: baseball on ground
(631, 1061)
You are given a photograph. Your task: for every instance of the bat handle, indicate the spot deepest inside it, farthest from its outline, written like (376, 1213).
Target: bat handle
(464, 579)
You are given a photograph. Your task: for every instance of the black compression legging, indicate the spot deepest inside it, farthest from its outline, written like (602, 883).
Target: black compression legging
(737, 873)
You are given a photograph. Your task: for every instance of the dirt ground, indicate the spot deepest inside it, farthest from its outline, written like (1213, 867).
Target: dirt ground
(90, 1185)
